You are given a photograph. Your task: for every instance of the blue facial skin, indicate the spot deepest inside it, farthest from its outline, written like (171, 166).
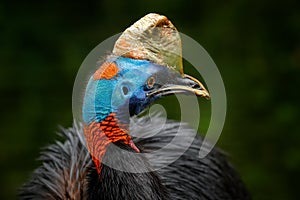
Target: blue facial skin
(124, 94)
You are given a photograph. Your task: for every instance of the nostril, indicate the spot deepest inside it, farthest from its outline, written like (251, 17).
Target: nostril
(196, 86)
(193, 84)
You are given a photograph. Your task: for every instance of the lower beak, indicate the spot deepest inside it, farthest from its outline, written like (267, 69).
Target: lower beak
(183, 85)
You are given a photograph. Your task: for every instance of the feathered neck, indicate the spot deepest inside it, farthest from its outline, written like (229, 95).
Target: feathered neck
(109, 182)
(117, 184)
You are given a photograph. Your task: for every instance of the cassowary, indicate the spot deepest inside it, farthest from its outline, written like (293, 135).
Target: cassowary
(128, 157)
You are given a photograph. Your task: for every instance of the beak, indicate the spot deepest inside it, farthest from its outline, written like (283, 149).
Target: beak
(184, 84)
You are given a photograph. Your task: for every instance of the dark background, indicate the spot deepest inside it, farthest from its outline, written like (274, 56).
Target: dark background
(256, 45)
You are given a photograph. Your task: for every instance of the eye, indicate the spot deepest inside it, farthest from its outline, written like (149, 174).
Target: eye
(125, 90)
(150, 82)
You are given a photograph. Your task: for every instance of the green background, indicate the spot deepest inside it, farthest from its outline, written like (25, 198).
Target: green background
(255, 44)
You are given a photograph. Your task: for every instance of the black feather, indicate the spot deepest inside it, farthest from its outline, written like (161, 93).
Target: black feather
(68, 172)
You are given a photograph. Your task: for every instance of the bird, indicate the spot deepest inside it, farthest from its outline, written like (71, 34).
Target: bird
(115, 153)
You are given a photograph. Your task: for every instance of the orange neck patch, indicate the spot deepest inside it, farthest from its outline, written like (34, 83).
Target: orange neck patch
(106, 71)
(99, 135)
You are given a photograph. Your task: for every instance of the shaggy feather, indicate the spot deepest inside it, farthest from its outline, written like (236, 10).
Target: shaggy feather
(68, 172)
(63, 172)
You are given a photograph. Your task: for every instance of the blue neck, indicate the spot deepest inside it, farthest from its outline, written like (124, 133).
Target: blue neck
(103, 96)
(94, 107)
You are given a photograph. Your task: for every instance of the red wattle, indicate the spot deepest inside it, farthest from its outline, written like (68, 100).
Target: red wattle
(132, 145)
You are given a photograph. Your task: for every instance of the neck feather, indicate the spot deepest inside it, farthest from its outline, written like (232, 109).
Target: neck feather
(116, 184)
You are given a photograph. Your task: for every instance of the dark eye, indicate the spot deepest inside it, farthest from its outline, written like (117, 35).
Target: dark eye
(150, 82)
(125, 90)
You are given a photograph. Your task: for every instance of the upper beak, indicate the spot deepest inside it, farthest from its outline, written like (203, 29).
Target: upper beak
(184, 84)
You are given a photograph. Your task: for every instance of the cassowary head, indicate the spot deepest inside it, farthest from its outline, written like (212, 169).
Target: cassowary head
(127, 86)
(127, 83)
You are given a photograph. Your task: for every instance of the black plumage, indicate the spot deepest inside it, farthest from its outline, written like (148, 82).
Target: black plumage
(68, 172)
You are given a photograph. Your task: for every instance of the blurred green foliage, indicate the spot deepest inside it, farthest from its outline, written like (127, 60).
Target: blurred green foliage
(256, 45)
